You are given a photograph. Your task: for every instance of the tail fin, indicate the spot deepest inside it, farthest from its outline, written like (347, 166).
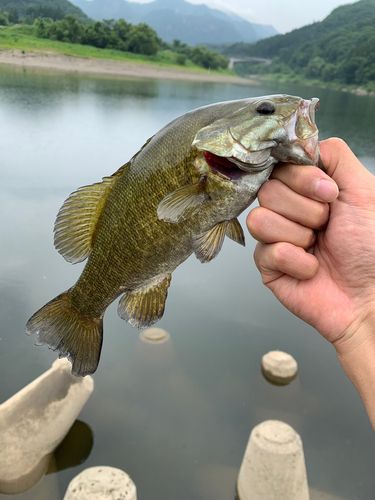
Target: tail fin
(64, 329)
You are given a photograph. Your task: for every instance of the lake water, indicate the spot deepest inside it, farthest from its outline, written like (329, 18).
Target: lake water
(176, 417)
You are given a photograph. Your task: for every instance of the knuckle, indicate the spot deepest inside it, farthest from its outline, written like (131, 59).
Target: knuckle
(336, 142)
(310, 238)
(333, 144)
(321, 215)
(255, 221)
(258, 252)
(261, 260)
(280, 254)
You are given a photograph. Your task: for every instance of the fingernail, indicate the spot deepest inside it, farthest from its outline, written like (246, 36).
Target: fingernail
(326, 190)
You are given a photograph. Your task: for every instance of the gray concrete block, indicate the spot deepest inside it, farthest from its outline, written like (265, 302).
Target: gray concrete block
(34, 421)
(101, 483)
(273, 467)
(279, 367)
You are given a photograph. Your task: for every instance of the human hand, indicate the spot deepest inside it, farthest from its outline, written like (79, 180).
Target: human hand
(323, 273)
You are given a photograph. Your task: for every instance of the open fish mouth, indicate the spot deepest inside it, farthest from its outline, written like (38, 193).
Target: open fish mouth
(232, 168)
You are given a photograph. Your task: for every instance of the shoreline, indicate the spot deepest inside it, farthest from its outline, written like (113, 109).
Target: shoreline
(55, 62)
(323, 85)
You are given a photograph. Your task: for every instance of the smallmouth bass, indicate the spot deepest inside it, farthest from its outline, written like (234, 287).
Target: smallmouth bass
(180, 194)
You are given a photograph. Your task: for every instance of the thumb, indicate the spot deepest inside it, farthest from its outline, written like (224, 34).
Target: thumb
(342, 165)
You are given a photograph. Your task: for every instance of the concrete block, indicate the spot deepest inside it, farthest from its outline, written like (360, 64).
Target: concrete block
(34, 421)
(154, 335)
(101, 483)
(273, 467)
(279, 367)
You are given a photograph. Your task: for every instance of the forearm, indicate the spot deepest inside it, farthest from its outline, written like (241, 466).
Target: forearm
(358, 362)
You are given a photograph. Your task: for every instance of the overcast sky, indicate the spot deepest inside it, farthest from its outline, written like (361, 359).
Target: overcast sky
(284, 15)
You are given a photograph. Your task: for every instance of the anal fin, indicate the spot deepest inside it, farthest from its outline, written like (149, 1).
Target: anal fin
(207, 245)
(235, 232)
(142, 308)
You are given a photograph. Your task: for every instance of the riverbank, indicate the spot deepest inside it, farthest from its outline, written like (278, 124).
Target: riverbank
(50, 61)
(280, 77)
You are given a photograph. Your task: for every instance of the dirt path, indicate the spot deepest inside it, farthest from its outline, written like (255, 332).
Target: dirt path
(69, 64)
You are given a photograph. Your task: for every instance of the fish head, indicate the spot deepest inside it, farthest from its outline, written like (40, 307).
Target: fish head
(265, 131)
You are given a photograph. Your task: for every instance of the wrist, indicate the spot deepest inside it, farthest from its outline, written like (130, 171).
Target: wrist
(356, 353)
(358, 337)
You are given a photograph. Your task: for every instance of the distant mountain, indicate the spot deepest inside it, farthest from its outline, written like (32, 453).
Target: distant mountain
(312, 35)
(62, 7)
(177, 19)
(341, 48)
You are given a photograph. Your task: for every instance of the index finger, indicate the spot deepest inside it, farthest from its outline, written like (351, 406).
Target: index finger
(307, 181)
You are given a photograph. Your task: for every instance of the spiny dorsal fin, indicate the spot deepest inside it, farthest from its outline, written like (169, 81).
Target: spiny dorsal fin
(143, 308)
(183, 203)
(207, 245)
(235, 232)
(76, 221)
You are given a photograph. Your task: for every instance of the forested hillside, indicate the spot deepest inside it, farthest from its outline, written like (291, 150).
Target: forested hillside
(54, 9)
(339, 49)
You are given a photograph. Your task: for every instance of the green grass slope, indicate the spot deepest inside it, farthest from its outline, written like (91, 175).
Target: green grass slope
(23, 38)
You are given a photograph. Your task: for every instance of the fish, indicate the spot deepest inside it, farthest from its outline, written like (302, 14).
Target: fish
(180, 194)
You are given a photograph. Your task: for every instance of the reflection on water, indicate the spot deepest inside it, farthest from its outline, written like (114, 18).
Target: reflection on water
(176, 416)
(74, 449)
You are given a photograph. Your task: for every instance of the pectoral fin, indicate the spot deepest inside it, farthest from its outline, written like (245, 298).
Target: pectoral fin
(235, 232)
(142, 308)
(184, 202)
(207, 245)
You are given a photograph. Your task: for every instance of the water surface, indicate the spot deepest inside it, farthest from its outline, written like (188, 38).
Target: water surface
(176, 417)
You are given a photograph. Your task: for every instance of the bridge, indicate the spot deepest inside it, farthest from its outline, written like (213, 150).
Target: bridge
(233, 60)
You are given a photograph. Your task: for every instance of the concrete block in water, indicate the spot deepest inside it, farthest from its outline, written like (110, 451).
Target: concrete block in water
(101, 483)
(279, 367)
(154, 335)
(34, 421)
(273, 467)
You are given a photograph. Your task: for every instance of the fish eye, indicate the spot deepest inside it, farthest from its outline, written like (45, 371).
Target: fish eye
(266, 108)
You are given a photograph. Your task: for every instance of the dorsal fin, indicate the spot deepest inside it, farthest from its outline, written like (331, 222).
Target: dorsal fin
(77, 218)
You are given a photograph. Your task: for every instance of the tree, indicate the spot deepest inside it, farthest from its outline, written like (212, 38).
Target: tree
(352, 70)
(207, 58)
(40, 11)
(315, 67)
(13, 15)
(96, 34)
(122, 28)
(142, 39)
(4, 19)
(65, 30)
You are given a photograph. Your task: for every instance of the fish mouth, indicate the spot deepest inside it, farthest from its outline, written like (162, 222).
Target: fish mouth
(303, 134)
(228, 167)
